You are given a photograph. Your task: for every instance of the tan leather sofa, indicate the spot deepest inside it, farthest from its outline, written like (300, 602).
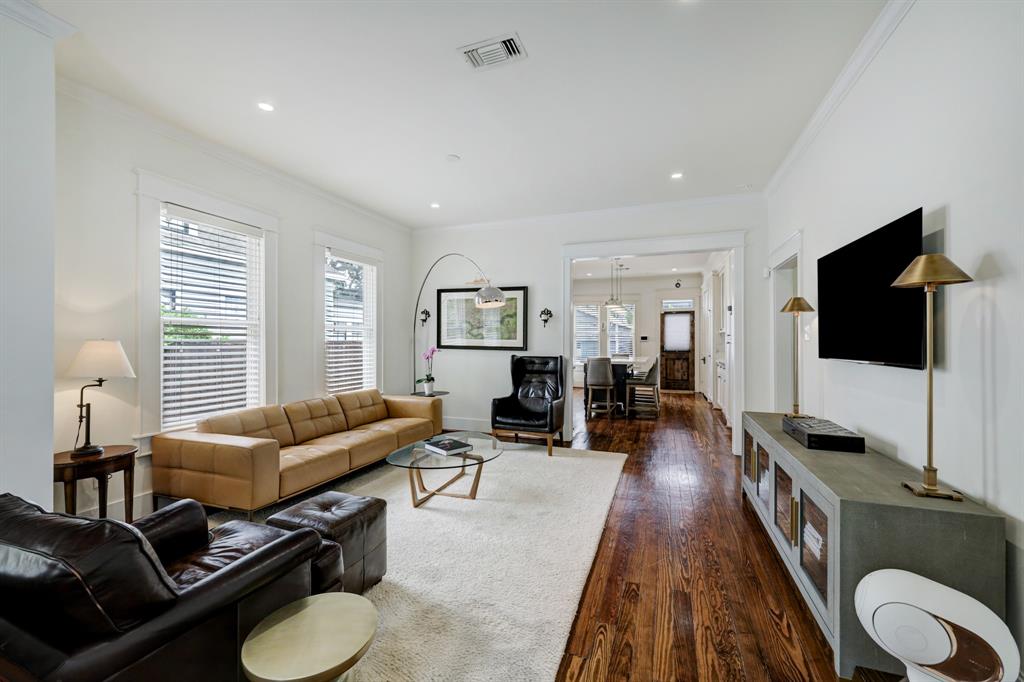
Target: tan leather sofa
(252, 458)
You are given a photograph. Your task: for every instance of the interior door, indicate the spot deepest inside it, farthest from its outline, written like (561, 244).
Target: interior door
(677, 351)
(707, 358)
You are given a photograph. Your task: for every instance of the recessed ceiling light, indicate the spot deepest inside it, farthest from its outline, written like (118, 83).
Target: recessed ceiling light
(674, 269)
(266, 106)
(435, 205)
(590, 274)
(676, 176)
(454, 157)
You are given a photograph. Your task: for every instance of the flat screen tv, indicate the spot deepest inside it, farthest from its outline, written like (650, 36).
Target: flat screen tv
(860, 316)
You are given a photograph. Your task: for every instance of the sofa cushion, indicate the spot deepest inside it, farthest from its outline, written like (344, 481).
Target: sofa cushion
(406, 429)
(229, 542)
(255, 422)
(314, 418)
(71, 580)
(362, 407)
(304, 466)
(363, 446)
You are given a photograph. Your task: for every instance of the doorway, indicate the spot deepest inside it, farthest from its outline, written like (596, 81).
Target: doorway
(784, 286)
(677, 351)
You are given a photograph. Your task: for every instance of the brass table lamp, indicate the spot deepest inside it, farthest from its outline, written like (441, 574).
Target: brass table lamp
(796, 305)
(929, 271)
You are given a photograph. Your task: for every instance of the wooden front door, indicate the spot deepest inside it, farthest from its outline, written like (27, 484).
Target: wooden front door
(677, 351)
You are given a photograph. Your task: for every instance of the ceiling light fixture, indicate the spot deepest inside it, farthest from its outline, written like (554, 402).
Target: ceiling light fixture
(454, 157)
(266, 106)
(590, 274)
(435, 205)
(675, 269)
(676, 176)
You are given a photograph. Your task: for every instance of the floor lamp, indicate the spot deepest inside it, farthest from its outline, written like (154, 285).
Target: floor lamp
(487, 297)
(929, 271)
(796, 305)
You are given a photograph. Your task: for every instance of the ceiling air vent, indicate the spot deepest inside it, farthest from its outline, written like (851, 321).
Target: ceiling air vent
(494, 52)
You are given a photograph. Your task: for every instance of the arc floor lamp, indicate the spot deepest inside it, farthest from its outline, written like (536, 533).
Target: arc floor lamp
(488, 296)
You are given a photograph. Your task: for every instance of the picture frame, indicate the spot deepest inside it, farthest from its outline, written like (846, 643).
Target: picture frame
(461, 325)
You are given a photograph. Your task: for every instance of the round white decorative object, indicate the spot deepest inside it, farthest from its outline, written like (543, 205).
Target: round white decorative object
(912, 634)
(315, 639)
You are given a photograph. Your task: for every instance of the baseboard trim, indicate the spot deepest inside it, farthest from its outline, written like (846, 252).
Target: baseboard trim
(467, 424)
(142, 505)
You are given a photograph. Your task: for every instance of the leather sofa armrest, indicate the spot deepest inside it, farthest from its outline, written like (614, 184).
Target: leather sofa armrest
(556, 413)
(195, 604)
(175, 530)
(216, 469)
(416, 406)
(498, 403)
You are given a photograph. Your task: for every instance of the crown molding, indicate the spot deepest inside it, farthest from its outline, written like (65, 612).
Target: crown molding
(885, 24)
(100, 100)
(717, 200)
(36, 18)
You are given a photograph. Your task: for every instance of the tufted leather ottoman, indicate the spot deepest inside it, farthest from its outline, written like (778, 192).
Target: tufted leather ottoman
(358, 524)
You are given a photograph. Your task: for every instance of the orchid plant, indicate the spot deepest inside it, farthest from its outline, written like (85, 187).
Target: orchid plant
(428, 355)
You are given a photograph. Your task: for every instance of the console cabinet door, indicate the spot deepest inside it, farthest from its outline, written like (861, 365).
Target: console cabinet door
(764, 484)
(785, 511)
(749, 457)
(816, 550)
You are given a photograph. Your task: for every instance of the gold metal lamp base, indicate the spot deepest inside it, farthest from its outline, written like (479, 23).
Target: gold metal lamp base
(930, 487)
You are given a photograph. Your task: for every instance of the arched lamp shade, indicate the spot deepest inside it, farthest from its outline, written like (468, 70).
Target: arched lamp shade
(490, 297)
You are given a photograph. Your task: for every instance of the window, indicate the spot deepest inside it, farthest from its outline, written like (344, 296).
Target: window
(350, 324)
(603, 330)
(621, 326)
(671, 304)
(586, 331)
(211, 316)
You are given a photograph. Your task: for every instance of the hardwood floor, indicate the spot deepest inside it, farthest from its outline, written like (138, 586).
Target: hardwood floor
(685, 584)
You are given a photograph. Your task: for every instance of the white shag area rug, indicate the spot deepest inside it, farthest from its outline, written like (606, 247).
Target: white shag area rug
(486, 589)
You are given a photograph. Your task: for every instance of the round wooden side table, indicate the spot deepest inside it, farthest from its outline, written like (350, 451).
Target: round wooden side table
(315, 639)
(69, 470)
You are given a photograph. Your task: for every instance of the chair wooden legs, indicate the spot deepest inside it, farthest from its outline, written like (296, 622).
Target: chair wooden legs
(550, 439)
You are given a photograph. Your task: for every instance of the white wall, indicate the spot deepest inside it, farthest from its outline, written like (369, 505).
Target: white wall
(26, 260)
(934, 121)
(528, 252)
(100, 143)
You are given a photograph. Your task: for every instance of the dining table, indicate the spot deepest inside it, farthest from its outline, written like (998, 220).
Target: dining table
(623, 367)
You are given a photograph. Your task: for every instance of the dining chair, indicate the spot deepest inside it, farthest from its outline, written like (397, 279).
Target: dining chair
(643, 392)
(600, 378)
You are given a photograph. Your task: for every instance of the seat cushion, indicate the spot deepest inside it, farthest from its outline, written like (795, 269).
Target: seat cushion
(363, 446)
(63, 578)
(362, 407)
(314, 418)
(307, 465)
(229, 542)
(516, 417)
(406, 429)
(255, 422)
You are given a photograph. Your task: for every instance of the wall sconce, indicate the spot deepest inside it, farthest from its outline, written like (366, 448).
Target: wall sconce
(424, 316)
(546, 315)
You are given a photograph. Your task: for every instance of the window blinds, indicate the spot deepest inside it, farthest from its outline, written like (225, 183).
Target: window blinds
(350, 324)
(621, 321)
(586, 331)
(211, 316)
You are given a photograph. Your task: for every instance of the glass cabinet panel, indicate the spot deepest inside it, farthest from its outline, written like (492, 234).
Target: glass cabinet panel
(784, 504)
(814, 545)
(748, 455)
(763, 487)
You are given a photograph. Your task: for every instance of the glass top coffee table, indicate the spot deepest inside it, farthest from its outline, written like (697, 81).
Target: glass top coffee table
(415, 458)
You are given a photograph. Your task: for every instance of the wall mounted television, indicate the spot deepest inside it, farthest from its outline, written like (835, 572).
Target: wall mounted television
(860, 316)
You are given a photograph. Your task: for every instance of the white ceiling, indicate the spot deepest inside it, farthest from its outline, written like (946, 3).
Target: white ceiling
(372, 96)
(643, 266)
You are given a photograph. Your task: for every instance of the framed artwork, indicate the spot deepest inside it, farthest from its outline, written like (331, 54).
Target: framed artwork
(460, 324)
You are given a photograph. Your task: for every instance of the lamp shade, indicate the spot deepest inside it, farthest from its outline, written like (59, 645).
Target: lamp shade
(797, 304)
(101, 359)
(490, 297)
(931, 268)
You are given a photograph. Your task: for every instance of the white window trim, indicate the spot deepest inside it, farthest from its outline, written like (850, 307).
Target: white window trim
(153, 191)
(360, 253)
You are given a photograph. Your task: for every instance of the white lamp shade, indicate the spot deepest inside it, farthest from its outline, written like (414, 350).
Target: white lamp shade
(101, 359)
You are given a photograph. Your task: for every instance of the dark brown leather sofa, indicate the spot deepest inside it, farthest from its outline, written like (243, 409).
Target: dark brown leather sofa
(164, 599)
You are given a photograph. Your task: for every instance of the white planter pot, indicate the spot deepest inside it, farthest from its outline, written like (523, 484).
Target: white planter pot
(428, 387)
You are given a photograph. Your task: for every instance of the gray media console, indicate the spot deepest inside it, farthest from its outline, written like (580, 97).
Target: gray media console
(834, 517)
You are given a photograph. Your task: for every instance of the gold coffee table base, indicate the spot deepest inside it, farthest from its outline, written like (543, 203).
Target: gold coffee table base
(416, 483)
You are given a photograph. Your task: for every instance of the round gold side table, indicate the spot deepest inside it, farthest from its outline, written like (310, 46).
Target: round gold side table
(316, 639)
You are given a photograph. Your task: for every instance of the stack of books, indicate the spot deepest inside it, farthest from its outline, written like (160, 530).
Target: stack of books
(446, 446)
